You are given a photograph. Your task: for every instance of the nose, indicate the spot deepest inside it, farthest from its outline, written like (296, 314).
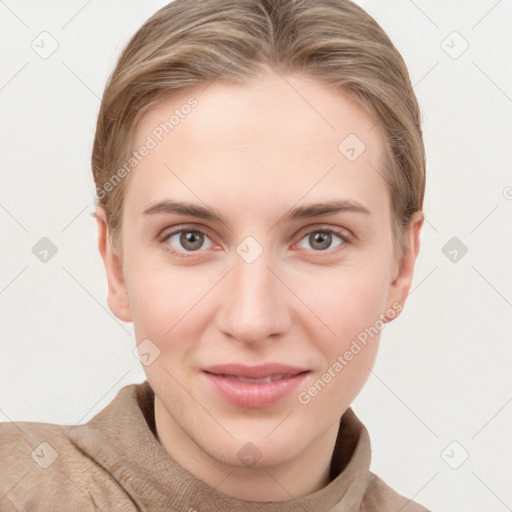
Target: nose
(255, 301)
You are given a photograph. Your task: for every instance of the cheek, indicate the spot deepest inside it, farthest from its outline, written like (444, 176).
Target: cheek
(351, 306)
(348, 299)
(352, 310)
(168, 305)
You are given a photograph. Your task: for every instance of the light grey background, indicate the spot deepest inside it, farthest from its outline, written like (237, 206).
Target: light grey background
(443, 373)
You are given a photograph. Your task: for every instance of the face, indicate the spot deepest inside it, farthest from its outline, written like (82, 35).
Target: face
(257, 275)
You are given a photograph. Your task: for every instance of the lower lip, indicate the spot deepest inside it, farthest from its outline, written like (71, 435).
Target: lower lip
(254, 394)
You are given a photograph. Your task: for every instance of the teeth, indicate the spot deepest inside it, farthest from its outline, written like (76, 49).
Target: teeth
(266, 379)
(243, 379)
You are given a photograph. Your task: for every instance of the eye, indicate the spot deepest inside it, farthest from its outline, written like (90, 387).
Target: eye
(186, 240)
(322, 239)
(183, 241)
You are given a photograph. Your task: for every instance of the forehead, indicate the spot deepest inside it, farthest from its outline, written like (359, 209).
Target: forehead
(279, 138)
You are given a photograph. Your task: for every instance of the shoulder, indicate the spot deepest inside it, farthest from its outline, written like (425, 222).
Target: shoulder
(380, 497)
(41, 469)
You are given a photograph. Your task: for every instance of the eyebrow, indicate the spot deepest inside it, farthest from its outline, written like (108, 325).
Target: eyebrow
(168, 207)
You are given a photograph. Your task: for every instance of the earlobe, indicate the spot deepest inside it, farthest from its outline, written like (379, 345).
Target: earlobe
(401, 284)
(117, 298)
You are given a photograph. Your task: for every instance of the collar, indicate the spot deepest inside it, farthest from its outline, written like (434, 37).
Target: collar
(121, 438)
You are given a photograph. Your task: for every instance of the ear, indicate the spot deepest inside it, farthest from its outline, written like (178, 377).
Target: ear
(399, 288)
(117, 292)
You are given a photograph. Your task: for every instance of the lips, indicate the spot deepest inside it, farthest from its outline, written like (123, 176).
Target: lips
(254, 386)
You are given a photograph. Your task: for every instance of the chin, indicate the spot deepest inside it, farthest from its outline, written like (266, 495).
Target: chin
(253, 450)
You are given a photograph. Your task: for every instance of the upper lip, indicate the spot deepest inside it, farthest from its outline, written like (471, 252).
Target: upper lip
(255, 372)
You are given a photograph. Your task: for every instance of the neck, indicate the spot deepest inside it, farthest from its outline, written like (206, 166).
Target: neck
(306, 473)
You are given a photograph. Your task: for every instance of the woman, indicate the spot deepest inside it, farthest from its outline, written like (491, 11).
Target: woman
(260, 172)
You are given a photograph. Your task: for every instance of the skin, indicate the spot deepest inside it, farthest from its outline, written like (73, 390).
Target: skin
(253, 152)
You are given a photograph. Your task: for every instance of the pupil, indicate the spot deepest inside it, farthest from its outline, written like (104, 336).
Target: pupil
(191, 238)
(323, 239)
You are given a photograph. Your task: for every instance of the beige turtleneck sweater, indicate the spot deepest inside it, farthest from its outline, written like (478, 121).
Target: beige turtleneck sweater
(115, 463)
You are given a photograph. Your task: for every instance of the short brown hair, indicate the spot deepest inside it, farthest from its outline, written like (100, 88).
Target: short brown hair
(189, 42)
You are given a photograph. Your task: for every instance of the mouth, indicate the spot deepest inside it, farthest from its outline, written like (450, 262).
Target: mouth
(262, 373)
(270, 378)
(254, 386)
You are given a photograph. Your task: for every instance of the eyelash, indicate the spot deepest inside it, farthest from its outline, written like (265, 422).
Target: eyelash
(345, 238)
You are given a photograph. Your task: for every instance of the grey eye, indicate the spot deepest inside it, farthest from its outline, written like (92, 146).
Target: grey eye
(321, 240)
(188, 240)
